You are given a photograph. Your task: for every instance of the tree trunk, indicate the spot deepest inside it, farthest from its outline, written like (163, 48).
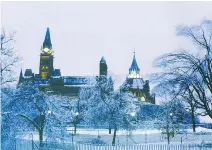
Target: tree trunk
(75, 128)
(193, 119)
(41, 138)
(168, 138)
(109, 129)
(168, 134)
(75, 124)
(114, 137)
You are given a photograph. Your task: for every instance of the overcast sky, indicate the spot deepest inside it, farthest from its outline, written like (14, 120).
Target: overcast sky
(83, 32)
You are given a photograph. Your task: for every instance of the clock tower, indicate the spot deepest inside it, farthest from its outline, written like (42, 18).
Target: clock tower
(46, 57)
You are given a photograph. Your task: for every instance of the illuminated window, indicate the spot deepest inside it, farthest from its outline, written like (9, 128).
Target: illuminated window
(134, 93)
(142, 98)
(133, 74)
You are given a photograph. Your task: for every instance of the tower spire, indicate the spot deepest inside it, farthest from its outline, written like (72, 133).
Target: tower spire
(21, 73)
(20, 77)
(46, 57)
(47, 41)
(134, 70)
(134, 65)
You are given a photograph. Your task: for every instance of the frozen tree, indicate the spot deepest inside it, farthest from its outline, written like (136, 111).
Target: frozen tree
(9, 58)
(171, 119)
(106, 107)
(147, 114)
(125, 87)
(60, 116)
(71, 110)
(31, 109)
(102, 91)
(190, 98)
(188, 76)
(173, 84)
(8, 132)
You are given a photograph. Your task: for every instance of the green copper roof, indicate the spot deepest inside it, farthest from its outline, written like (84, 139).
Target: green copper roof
(134, 65)
(47, 41)
(102, 60)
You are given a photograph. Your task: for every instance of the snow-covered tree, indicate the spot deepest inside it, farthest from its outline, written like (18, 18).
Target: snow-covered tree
(125, 87)
(171, 119)
(188, 76)
(9, 58)
(30, 109)
(147, 114)
(70, 110)
(106, 107)
(8, 132)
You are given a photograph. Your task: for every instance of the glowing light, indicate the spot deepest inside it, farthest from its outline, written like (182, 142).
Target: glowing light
(43, 75)
(134, 93)
(133, 74)
(132, 114)
(51, 52)
(46, 50)
(142, 98)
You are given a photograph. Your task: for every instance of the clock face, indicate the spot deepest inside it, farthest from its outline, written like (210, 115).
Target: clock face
(46, 50)
(49, 51)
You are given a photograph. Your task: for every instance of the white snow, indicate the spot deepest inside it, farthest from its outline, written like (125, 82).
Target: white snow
(200, 129)
(105, 131)
(135, 137)
(205, 119)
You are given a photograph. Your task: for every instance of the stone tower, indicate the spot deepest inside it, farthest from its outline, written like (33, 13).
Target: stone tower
(46, 57)
(102, 67)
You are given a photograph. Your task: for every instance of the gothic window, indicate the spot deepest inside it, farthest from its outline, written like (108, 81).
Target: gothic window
(45, 68)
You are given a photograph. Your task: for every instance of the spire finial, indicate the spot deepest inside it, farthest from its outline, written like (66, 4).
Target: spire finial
(134, 65)
(47, 40)
(134, 52)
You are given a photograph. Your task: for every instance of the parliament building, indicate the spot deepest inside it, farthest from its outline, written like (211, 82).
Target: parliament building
(50, 79)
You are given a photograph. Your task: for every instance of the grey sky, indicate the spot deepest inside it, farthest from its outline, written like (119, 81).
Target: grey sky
(82, 32)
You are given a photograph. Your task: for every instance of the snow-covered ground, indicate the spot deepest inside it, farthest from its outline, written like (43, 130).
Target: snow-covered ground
(200, 129)
(134, 137)
(105, 131)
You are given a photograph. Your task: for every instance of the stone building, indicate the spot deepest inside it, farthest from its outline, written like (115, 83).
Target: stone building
(50, 79)
(135, 84)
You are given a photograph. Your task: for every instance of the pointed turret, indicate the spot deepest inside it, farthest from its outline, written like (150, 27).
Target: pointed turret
(21, 73)
(103, 67)
(102, 60)
(47, 41)
(134, 71)
(20, 77)
(134, 65)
